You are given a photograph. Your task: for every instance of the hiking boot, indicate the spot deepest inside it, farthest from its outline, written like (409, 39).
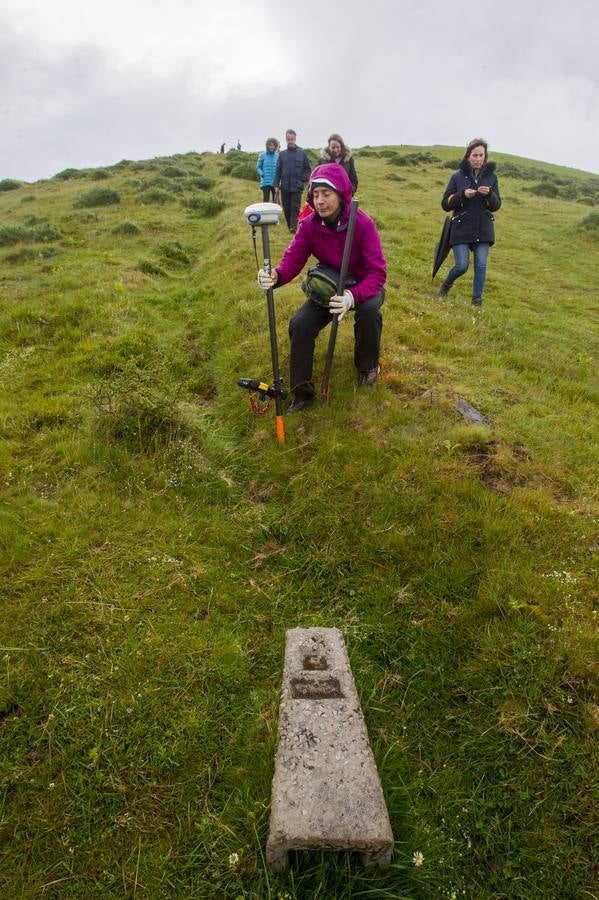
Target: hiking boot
(443, 290)
(477, 301)
(368, 378)
(299, 403)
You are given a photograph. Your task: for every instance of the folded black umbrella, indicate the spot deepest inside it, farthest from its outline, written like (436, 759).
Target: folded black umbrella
(442, 248)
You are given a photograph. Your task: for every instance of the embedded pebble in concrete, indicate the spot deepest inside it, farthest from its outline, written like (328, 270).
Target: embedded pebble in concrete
(326, 792)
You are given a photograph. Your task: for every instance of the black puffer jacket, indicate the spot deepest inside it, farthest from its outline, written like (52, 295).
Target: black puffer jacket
(472, 220)
(347, 162)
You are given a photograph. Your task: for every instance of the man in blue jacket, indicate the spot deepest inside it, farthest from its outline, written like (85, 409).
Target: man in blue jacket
(293, 172)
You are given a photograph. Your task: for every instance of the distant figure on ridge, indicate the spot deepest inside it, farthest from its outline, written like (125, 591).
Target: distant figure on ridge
(293, 171)
(266, 168)
(238, 144)
(337, 151)
(222, 148)
(472, 195)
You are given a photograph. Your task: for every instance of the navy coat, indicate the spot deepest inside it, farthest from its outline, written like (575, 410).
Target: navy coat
(293, 170)
(472, 220)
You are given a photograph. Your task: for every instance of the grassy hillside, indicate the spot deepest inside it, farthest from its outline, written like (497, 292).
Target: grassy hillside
(156, 541)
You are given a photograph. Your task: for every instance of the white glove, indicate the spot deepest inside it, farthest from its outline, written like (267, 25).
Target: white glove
(266, 280)
(338, 306)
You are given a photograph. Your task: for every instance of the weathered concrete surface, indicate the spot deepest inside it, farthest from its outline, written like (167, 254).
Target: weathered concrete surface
(326, 791)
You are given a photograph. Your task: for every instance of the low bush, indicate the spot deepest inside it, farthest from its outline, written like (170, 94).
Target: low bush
(67, 174)
(205, 207)
(98, 197)
(425, 158)
(590, 223)
(28, 234)
(201, 182)
(25, 254)
(173, 172)
(174, 253)
(126, 228)
(545, 189)
(245, 170)
(151, 268)
(137, 409)
(99, 175)
(153, 196)
(9, 184)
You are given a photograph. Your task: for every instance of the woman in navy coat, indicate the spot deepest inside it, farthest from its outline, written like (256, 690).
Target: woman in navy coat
(472, 195)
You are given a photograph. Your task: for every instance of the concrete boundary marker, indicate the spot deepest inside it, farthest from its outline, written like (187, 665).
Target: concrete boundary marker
(326, 792)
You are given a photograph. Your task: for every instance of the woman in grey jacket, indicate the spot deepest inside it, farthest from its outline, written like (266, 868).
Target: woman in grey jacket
(472, 195)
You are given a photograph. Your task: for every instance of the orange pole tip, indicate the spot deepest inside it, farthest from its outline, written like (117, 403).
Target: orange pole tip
(280, 429)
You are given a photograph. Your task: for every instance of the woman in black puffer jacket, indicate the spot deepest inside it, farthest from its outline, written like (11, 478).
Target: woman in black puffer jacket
(472, 195)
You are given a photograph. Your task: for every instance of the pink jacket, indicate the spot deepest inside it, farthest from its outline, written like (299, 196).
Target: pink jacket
(314, 238)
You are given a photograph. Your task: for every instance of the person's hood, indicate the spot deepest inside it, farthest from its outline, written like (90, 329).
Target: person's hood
(487, 168)
(325, 153)
(338, 178)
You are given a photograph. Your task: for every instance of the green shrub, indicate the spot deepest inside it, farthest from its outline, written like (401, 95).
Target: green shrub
(544, 189)
(99, 175)
(137, 409)
(173, 172)
(151, 268)
(590, 223)
(26, 254)
(163, 184)
(9, 184)
(452, 164)
(28, 234)
(67, 174)
(155, 196)
(245, 170)
(205, 207)
(174, 253)
(414, 159)
(201, 182)
(98, 197)
(126, 228)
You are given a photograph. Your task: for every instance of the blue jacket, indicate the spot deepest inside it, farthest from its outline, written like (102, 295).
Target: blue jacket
(266, 168)
(472, 220)
(293, 170)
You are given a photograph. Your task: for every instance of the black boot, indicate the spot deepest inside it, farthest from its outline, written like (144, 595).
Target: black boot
(443, 290)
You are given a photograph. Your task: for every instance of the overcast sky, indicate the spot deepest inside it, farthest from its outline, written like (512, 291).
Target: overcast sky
(86, 83)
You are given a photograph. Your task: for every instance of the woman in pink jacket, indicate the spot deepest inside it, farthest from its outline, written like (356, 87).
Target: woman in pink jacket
(322, 234)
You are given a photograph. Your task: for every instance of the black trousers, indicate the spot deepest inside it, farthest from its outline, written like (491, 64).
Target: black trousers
(309, 320)
(290, 201)
(268, 193)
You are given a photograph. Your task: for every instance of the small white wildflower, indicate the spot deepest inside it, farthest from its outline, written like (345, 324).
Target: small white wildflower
(234, 860)
(418, 858)
(52, 785)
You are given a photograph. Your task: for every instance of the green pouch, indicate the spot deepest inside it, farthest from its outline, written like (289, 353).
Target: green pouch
(320, 284)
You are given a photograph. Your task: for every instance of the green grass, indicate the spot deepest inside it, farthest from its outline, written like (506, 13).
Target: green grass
(156, 541)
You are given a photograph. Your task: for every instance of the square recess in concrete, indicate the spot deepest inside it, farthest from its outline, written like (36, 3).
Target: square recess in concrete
(326, 791)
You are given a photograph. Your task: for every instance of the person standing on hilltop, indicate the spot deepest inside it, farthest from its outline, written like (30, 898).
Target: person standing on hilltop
(322, 235)
(472, 195)
(293, 171)
(267, 167)
(338, 152)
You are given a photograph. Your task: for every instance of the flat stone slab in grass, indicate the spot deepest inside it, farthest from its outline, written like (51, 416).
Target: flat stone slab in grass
(326, 792)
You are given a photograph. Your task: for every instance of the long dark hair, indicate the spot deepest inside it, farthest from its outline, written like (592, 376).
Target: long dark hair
(339, 139)
(475, 142)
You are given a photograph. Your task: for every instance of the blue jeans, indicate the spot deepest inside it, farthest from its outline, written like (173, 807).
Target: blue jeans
(462, 257)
